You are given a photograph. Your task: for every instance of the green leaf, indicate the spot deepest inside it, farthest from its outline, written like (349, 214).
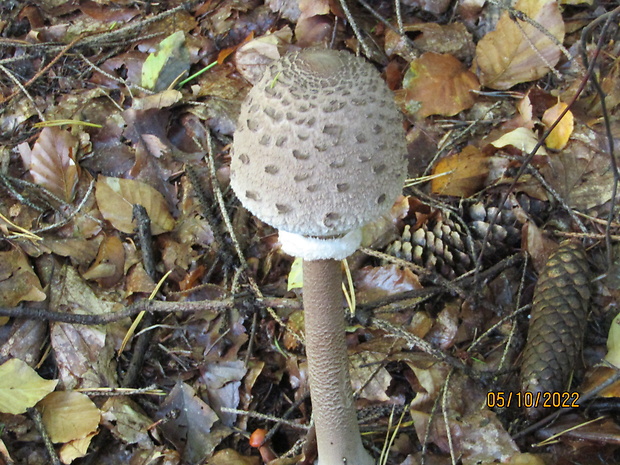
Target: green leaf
(171, 60)
(613, 342)
(296, 277)
(21, 387)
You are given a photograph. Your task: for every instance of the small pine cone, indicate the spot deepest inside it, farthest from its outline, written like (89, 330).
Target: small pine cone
(557, 322)
(443, 245)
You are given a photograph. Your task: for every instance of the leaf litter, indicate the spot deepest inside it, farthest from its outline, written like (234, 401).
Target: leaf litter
(478, 87)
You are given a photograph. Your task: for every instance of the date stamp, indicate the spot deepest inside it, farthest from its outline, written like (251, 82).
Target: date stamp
(527, 399)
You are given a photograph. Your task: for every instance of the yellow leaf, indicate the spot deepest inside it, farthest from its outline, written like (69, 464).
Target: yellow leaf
(69, 415)
(558, 138)
(75, 449)
(516, 51)
(465, 173)
(167, 64)
(116, 198)
(295, 276)
(21, 387)
(613, 343)
(523, 139)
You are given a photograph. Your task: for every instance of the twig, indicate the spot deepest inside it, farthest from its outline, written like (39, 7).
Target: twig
(37, 419)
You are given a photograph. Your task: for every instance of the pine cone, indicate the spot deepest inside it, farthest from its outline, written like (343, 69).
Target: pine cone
(448, 244)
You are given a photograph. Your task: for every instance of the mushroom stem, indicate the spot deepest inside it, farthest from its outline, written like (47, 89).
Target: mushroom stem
(335, 417)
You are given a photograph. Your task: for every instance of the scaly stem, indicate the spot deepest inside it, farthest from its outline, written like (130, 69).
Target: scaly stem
(335, 418)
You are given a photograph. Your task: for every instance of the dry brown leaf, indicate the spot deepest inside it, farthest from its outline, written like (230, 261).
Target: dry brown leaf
(18, 282)
(437, 84)
(367, 373)
(52, 161)
(82, 355)
(69, 415)
(516, 51)
(116, 198)
(253, 58)
(558, 138)
(108, 267)
(465, 173)
(580, 173)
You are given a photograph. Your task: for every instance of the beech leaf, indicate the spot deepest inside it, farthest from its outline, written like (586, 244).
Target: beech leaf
(69, 415)
(465, 173)
(558, 138)
(52, 161)
(516, 51)
(438, 84)
(21, 387)
(116, 198)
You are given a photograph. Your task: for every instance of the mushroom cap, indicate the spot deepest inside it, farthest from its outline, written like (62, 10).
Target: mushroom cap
(319, 148)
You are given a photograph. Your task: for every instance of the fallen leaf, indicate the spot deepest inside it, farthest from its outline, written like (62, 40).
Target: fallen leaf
(253, 58)
(75, 449)
(69, 415)
(558, 138)
(108, 267)
(464, 173)
(81, 353)
(21, 387)
(516, 51)
(222, 381)
(116, 198)
(232, 457)
(171, 61)
(18, 282)
(523, 139)
(52, 161)
(189, 424)
(127, 422)
(613, 342)
(437, 84)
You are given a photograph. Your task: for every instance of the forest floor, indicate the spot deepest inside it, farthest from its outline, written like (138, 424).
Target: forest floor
(183, 342)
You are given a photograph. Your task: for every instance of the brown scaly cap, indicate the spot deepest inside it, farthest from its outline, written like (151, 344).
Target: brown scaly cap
(319, 148)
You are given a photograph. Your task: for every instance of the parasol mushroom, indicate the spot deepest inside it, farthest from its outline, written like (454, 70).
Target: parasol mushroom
(319, 152)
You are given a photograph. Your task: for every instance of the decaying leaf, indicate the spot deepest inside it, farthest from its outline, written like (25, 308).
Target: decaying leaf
(167, 64)
(69, 415)
(558, 138)
(127, 421)
(437, 84)
(82, 355)
(21, 387)
(516, 51)
(52, 161)
(463, 173)
(116, 198)
(190, 428)
(18, 282)
(108, 267)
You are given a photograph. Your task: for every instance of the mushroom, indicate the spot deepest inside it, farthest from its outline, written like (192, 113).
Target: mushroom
(319, 151)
